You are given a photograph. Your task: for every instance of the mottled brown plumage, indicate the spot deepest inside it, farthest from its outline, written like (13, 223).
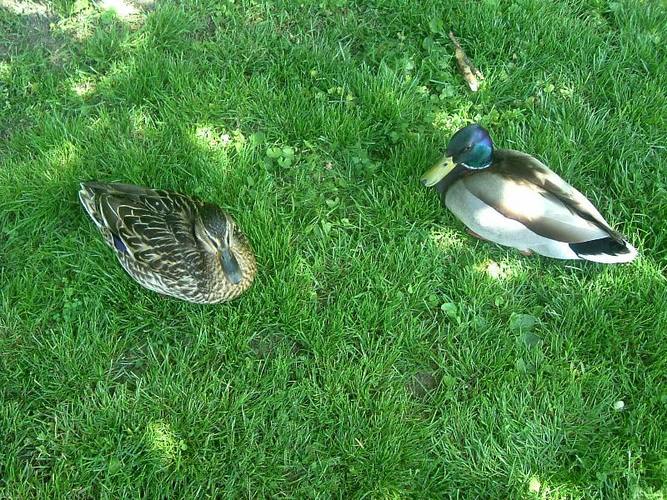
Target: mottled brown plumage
(171, 243)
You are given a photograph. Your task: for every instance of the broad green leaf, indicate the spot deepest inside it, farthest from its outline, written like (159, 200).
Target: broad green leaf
(435, 25)
(274, 152)
(522, 322)
(530, 339)
(257, 138)
(450, 309)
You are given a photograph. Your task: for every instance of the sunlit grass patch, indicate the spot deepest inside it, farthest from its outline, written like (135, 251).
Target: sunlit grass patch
(449, 240)
(497, 270)
(163, 442)
(122, 8)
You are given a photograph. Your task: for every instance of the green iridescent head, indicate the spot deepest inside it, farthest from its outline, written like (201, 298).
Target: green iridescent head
(471, 147)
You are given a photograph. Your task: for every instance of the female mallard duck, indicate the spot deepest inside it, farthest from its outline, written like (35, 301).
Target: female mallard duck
(171, 243)
(512, 199)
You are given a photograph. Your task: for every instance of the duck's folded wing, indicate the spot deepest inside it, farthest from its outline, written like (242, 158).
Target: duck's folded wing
(146, 234)
(539, 210)
(522, 167)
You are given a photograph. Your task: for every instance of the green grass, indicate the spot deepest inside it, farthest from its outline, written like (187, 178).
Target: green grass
(378, 353)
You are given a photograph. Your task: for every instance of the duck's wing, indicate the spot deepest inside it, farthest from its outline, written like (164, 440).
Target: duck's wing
(517, 168)
(150, 226)
(539, 212)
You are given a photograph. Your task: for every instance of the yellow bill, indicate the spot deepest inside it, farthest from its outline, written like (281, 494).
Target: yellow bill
(438, 171)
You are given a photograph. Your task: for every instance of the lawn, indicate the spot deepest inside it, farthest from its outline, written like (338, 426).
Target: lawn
(381, 352)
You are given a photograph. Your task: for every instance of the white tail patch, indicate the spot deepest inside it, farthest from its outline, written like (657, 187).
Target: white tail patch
(613, 259)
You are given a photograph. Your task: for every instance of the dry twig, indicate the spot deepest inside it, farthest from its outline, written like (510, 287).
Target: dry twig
(467, 68)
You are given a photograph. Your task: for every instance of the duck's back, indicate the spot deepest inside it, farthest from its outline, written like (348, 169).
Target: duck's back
(152, 234)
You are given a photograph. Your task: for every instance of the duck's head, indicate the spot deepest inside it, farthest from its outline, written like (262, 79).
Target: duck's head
(471, 148)
(215, 230)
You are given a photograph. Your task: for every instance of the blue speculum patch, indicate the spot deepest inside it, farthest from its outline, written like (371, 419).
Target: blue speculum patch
(118, 243)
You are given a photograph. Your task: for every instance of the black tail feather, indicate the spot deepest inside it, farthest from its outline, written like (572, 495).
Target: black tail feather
(605, 250)
(603, 246)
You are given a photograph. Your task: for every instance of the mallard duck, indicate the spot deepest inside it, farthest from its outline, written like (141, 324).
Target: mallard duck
(171, 243)
(512, 199)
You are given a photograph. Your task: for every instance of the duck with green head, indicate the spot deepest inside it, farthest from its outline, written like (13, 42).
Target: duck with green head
(510, 198)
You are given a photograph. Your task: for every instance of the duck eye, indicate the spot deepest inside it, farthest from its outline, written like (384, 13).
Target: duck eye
(467, 148)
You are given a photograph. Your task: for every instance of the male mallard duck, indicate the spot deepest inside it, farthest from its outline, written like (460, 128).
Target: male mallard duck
(512, 199)
(171, 243)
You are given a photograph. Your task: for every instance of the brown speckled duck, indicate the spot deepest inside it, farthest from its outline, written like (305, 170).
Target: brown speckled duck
(171, 243)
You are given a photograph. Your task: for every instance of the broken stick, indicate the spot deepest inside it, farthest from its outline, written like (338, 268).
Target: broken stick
(470, 73)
